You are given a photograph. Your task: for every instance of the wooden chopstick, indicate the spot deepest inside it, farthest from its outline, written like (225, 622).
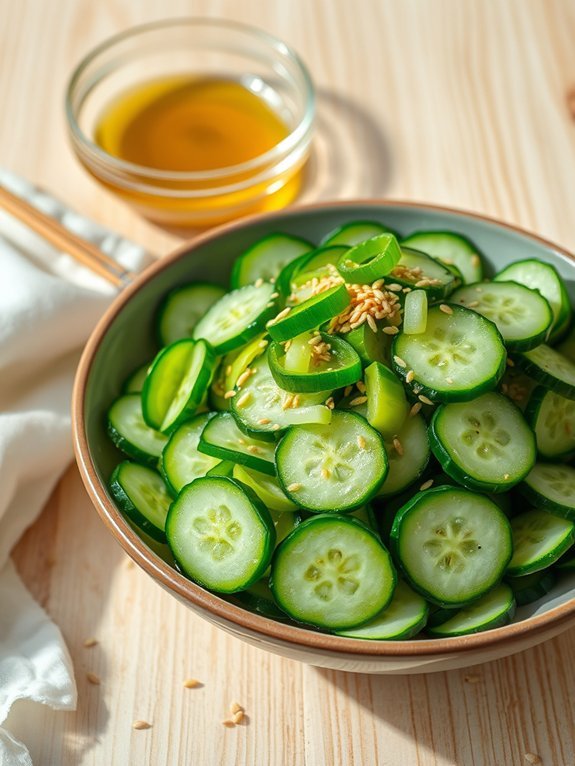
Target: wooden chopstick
(53, 231)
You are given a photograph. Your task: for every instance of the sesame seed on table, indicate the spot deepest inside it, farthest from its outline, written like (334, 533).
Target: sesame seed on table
(476, 116)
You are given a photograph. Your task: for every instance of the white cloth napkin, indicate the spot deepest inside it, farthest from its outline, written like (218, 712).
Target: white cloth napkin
(48, 306)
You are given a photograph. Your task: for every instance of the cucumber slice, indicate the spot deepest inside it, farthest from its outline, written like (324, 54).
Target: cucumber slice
(319, 263)
(415, 312)
(566, 564)
(354, 233)
(140, 493)
(370, 346)
(552, 418)
(403, 618)
(567, 346)
(135, 382)
(129, 432)
(266, 487)
(332, 572)
(491, 611)
(539, 540)
(332, 468)
(238, 317)
(532, 587)
(183, 307)
(550, 368)
(370, 260)
(459, 356)
(221, 438)
(222, 468)
(387, 405)
(408, 457)
(238, 361)
(261, 407)
(221, 534)
(182, 462)
(544, 278)
(485, 444)
(176, 383)
(451, 249)
(334, 364)
(310, 314)
(258, 598)
(267, 258)
(418, 270)
(551, 486)
(522, 316)
(453, 545)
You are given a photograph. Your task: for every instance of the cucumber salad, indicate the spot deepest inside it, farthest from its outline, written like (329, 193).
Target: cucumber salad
(367, 437)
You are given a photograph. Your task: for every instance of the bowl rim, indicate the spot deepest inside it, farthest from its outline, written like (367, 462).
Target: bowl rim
(188, 591)
(284, 147)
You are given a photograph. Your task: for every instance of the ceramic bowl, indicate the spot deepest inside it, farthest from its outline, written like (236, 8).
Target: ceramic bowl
(124, 339)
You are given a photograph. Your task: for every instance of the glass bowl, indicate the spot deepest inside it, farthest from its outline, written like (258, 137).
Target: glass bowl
(263, 64)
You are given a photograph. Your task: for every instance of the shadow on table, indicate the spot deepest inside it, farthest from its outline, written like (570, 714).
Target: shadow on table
(71, 580)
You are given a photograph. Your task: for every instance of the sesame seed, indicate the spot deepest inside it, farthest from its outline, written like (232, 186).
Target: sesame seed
(449, 380)
(264, 421)
(228, 723)
(192, 683)
(378, 284)
(472, 304)
(259, 282)
(415, 409)
(361, 386)
(330, 403)
(90, 642)
(253, 449)
(263, 343)
(235, 707)
(398, 447)
(347, 390)
(269, 304)
(510, 362)
(93, 679)
(410, 376)
(390, 330)
(406, 290)
(295, 401)
(472, 678)
(506, 476)
(294, 487)
(275, 295)
(283, 313)
(276, 427)
(316, 339)
(140, 725)
(478, 289)
(229, 394)
(287, 402)
(424, 399)
(399, 362)
(532, 758)
(244, 399)
(394, 287)
(241, 440)
(445, 308)
(325, 473)
(426, 485)
(361, 443)
(243, 377)
(357, 401)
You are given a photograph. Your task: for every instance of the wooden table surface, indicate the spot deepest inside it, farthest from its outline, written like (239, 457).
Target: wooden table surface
(458, 102)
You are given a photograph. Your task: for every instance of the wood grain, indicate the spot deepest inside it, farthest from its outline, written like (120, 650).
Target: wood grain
(446, 101)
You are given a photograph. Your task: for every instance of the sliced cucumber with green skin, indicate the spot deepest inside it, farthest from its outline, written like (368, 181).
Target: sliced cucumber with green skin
(176, 383)
(417, 270)
(261, 407)
(539, 540)
(355, 232)
(258, 598)
(221, 438)
(450, 248)
(493, 610)
(342, 368)
(182, 462)
(266, 487)
(267, 258)
(567, 345)
(183, 307)
(370, 346)
(387, 405)
(131, 434)
(484, 444)
(332, 572)
(238, 361)
(310, 314)
(140, 493)
(320, 263)
(415, 312)
(544, 278)
(238, 317)
(459, 356)
(550, 368)
(332, 468)
(370, 260)
(552, 418)
(532, 587)
(221, 534)
(404, 617)
(453, 545)
(135, 382)
(522, 316)
(551, 486)
(406, 465)
(222, 468)
(161, 550)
